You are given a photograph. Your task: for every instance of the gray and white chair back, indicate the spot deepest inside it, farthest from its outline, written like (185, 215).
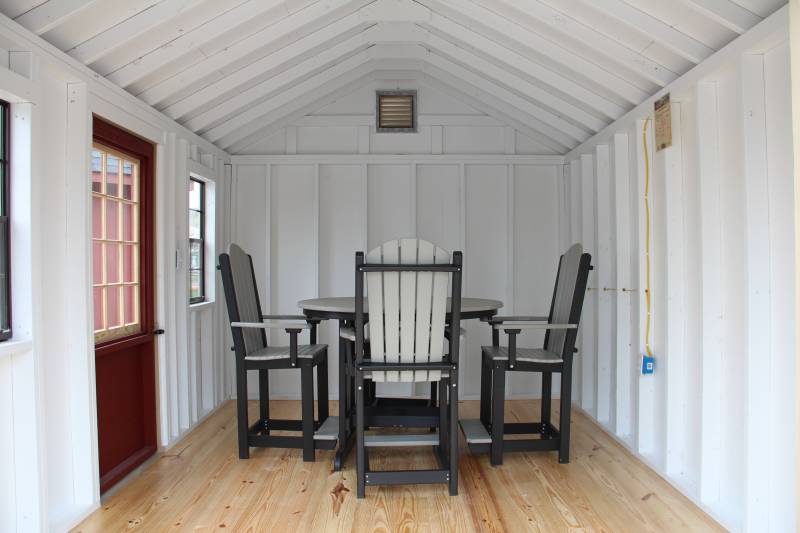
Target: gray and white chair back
(407, 309)
(565, 309)
(241, 296)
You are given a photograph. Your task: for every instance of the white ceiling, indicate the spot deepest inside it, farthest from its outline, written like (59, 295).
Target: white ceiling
(236, 70)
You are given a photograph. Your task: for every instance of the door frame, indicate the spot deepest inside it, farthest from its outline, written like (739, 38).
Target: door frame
(794, 58)
(109, 134)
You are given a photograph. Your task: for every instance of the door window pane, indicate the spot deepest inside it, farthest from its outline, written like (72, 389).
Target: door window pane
(115, 232)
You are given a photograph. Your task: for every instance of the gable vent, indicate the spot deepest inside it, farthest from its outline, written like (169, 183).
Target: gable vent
(396, 111)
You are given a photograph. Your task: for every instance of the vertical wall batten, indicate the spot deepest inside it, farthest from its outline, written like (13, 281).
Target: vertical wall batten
(759, 353)
(588, 333)
(625, 351)
(715, 418)
(604, 274)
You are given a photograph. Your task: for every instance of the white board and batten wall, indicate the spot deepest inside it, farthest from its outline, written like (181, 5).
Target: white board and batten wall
(48, 431)
(463, 181)
(717, 417)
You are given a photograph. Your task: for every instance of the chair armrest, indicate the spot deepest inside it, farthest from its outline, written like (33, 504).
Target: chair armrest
(501, 319)
(284, 317)
(533, 325)
(272, 324)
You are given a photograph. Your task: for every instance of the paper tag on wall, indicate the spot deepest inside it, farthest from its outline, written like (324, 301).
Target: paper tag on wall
(663, 123)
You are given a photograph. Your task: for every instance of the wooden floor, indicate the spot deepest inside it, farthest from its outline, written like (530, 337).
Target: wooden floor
(201, 485)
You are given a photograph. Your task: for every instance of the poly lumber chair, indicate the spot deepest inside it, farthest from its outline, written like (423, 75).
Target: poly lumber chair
(248, 327)
(407, 282)
(561, 326)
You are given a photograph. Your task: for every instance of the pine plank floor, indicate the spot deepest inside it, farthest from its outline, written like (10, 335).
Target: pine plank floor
(201, 485)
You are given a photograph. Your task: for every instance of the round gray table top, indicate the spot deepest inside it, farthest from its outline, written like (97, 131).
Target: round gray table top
(344, 307)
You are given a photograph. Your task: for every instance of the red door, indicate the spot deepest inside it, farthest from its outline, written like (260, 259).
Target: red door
(122, 247)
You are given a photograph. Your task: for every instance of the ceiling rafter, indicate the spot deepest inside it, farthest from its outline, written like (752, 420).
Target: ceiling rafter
(688, 47)
(728, 13)
(275, 51)
(234, 70)
(48, 15)
(247, 103)
(200, 40)
(571, 65)
(272, 124)
(380, 33)
(121, 34)
(563, 27)
(559, 134)
(524, 67)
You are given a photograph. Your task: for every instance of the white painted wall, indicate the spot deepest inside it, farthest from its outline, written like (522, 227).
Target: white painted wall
(48, 440)
(502, 212)
(332, 185)
(717, 417)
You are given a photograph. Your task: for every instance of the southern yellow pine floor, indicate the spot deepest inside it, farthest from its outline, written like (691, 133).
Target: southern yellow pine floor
(201, 485)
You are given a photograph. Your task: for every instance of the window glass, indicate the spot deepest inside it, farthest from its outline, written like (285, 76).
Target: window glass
(196, 240)
(5, 229)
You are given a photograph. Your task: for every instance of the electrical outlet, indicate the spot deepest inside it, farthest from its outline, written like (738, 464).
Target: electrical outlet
(648, 365)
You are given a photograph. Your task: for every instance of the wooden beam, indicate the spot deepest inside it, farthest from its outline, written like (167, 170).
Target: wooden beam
(481, 20)
(523, 66)
(199, 41)
(296, 36)
(246, 112)
(562, 27)
(234, 81)
(686, 46)
(281, 83)
(118, 35)
(50, 14)
(726, 12)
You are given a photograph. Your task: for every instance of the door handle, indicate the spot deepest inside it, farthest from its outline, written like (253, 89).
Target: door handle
(159, 332)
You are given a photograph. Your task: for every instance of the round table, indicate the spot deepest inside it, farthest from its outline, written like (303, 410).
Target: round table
(343, 309)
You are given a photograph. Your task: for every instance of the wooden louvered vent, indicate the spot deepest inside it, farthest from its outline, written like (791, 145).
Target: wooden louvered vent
(397, 111)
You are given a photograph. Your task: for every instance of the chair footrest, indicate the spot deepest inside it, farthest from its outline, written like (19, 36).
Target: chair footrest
(329, 430)
(425, 439)
(474, 431)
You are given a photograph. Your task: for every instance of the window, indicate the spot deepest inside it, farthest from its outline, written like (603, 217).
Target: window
(115, 244)
(197, 238)
(5, 227)
(396, 111)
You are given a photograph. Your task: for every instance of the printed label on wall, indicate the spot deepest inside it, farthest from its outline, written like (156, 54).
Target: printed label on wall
(663, 123)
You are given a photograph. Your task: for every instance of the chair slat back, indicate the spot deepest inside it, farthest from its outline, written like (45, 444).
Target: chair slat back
(241, 295)
(567, 281)
(407, 310)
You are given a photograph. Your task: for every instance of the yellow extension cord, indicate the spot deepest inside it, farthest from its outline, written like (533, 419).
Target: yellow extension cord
(647, 236)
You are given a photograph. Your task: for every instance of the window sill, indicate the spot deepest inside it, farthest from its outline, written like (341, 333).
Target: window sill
(12, 347)
(201, 305)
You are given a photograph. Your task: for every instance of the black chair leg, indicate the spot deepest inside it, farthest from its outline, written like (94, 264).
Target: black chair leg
(547, 394)
(498, 418)
(263, 398)
(241, 410)
(307, 392)
(453, 433)
(486, 392)
(360, 449)
(441, 386)
(322, 389)
(565, 407)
